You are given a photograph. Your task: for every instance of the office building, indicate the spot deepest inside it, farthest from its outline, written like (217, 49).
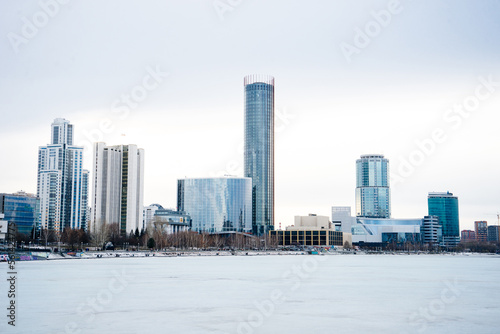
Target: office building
(118, 187)
(22, 209)
(259, 149)
(467, 236)
(342, 218)
(221, 204)
(311, 230)
(481, 229)
(172, 221)
(431, 230)
(372, 187)
(61, 183)
(445, 206)
(493, 233)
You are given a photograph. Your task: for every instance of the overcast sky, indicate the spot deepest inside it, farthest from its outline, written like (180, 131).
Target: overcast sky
(352, 77)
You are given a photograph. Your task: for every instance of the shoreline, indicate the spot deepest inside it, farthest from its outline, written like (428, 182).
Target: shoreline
(41, 256)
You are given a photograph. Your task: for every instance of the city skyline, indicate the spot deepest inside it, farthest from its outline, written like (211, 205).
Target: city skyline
(406, 93)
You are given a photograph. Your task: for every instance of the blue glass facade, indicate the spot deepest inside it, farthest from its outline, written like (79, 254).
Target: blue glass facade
(217, 204)
(21, 210)
(259, 149)
(445, 207)
(372, 187)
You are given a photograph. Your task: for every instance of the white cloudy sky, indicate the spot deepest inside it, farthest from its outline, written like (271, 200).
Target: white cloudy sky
(396, 90)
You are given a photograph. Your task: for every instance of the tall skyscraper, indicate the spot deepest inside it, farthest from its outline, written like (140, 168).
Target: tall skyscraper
(445, 206)
(61, 183)
(481, 229)
(118, 187)
(372, 187)
(259, 149)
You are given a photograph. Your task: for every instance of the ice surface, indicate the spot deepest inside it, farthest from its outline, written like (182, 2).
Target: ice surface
(258, 294)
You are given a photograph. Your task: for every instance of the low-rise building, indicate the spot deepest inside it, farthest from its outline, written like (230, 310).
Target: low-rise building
(342, 219)
(21, 209)
(311, 230)
(172, 221)
(384, 231)
(467, 235)
(3, 227)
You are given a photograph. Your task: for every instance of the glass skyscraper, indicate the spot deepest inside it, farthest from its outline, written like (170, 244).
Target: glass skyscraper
(259, 149)
(222, 204)
(445, 206)
(372, 187)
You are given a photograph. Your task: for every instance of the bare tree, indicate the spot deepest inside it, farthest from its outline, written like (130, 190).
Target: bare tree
(100, 235)
(115, 235)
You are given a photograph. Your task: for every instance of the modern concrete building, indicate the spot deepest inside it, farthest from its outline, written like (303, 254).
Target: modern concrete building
(379, 232)
(432, 232)
(467, 235)
(259, 149)
(372, 187)
(172, 221)
(311, 230)
(481, 229)
(148, 213)
(23, 210)
(493, 233)
(118, 187)
(385, 231)
(445, 206)
(342, 218)
(61, 183)
(220, 204)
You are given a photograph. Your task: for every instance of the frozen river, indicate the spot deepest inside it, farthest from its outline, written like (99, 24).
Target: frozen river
(258, 294)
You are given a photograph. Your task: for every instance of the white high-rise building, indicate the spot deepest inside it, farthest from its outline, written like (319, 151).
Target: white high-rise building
(118, 187)
(62, 182)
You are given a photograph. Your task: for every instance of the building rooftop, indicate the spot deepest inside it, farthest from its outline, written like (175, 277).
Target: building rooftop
(441, 194)
(376, 156)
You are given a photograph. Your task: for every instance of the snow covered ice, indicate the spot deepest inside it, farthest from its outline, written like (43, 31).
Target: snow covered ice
(259, 294)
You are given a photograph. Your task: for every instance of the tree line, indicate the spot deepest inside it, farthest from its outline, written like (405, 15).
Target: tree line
(156, 237)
